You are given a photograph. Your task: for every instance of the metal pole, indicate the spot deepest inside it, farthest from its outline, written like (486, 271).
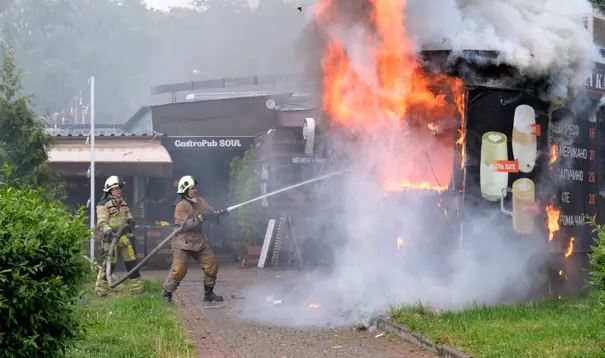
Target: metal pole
(92, 166)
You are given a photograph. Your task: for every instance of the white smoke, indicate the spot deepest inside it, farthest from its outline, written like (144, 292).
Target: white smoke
(439, 264)
(540, 38)
(371, 275)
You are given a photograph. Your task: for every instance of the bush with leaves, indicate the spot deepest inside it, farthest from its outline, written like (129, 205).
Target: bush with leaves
(245, 184)
(597, 263)
(41, 272)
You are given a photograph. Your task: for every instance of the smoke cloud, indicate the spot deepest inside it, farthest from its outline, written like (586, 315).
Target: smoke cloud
(539, 38)
(371, 274)
(393, 248)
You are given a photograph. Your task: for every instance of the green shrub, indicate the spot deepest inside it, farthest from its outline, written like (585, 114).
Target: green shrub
(41, 272)
(245, 185)
(597, 263)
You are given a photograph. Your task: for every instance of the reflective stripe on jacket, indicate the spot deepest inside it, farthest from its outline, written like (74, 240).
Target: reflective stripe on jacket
(111, 214)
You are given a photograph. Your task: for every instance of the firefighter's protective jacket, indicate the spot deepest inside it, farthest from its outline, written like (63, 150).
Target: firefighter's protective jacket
(187, 209)
(111, 214)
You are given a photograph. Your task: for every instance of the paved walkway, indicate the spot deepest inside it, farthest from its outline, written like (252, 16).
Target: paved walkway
(224, 332)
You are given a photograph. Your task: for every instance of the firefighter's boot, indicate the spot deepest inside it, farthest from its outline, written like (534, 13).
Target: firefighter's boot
(209, 296)
(167, 296)
(135, 283)
(136, 286)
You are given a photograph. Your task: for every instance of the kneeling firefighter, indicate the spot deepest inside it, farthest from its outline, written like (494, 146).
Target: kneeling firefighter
(190, 212)
(114, 218)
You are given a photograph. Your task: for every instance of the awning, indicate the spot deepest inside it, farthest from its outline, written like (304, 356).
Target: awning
(123, 157)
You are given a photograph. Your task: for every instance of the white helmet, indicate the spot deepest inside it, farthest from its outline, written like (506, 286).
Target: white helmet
(112, 182)
(185, 183)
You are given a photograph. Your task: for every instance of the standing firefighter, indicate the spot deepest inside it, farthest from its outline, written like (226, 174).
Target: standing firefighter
(190, 212)
(113, 215)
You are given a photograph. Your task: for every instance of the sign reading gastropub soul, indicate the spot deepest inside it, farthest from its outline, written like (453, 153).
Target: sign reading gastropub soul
(207, 143)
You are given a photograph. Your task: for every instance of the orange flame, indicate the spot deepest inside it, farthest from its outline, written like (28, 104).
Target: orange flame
(386, 94)
(569, 250)
(553, 216)
(554, 154)
(461, 141)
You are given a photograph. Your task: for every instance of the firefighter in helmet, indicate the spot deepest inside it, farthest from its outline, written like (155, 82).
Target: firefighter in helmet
(190, 212)
(113, 215)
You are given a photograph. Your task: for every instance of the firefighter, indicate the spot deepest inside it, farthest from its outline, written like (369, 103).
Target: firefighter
(112, 214)
(190, 211)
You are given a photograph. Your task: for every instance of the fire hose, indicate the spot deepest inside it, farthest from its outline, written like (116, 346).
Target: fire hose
(122, 230)
(146, 258)
(178, 230)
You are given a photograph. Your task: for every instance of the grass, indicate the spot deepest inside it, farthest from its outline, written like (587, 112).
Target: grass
(130, 326)
(572, 327)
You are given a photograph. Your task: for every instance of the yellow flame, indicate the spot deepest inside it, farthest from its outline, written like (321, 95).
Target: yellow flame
(554, 154)
(412, 186)
(569, 250)
(553, 221)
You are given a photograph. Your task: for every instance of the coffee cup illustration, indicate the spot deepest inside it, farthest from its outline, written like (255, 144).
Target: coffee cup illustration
(493, 149)
(524, 201)
(524, 138)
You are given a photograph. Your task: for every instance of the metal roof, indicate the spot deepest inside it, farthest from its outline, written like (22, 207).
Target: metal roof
(99, 132)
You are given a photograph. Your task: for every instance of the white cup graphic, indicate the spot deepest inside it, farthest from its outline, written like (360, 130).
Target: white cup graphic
(524, 200)
(524, 138)
(493, 148)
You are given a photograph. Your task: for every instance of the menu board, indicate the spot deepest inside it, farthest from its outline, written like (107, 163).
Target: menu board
(573, 159)
(506, 162)
(523, 157)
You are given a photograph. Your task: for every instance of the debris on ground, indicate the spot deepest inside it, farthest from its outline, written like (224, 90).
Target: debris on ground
(360, 327)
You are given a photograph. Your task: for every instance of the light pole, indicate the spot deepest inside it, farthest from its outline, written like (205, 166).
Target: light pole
(92, 166)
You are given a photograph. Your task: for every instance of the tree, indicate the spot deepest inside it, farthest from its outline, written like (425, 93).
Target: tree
(23, 141)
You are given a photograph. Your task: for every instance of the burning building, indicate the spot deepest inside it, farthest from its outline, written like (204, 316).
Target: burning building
(463, 148)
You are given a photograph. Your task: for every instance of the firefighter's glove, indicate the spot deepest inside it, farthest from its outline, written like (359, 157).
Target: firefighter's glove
(194, 222)
(131, 223)
(109, 235)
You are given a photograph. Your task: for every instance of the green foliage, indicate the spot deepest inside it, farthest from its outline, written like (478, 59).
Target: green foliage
(41, 271)
(245, 184)
(129, 326)
(597, 263)
(23, 141)
(569, 327)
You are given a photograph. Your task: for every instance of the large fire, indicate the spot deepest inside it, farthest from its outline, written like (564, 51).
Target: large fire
(375, 88)
(552, 215)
